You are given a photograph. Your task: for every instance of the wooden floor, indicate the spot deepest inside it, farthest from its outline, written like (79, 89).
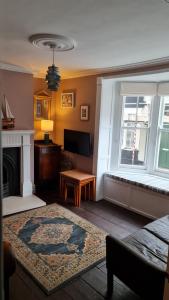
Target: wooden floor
(91, 284)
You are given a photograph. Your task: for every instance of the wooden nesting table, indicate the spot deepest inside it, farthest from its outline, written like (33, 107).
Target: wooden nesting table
(78, 180)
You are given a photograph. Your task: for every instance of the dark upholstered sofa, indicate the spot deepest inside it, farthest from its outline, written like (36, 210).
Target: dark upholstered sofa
(9, 263)
(140, 260)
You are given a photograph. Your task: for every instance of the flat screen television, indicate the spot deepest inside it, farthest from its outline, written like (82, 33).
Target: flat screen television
(77, 142)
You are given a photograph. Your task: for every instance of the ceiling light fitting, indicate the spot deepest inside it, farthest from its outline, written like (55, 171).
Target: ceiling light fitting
(53, 43)
(52, 76)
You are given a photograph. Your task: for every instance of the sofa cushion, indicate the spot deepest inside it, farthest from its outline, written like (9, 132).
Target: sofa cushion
(160, 228)
(151, 247)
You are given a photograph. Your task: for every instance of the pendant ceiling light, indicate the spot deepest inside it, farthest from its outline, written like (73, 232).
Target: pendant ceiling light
(53, 43)
(52, 76)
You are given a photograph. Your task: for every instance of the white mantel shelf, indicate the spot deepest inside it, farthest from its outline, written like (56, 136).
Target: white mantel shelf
(22, 139)
(16, 138)
(17, 131)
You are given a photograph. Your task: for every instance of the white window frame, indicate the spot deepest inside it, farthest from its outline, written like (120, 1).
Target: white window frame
(151, 160)
(144, 166)
(160, 129)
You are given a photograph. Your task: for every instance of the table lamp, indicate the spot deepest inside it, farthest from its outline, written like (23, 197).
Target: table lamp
(46, 126)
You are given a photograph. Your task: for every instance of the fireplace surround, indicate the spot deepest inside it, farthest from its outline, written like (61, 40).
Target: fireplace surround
(21, 139)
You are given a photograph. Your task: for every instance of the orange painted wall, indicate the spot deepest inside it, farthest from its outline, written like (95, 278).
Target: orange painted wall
(69, 118)
(85, 94)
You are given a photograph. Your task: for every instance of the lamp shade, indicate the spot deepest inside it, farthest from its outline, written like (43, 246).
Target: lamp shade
(53, 78)
(47, 125)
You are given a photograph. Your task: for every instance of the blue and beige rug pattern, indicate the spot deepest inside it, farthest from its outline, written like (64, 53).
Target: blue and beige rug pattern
(54, 244)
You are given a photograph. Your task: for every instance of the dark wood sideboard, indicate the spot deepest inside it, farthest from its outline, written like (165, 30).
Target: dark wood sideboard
(46, 163)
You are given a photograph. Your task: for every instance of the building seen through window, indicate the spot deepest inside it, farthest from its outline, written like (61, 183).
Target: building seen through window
(135, 129)
(135, 134)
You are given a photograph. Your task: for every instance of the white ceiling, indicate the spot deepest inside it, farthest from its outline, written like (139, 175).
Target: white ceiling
(109, 33)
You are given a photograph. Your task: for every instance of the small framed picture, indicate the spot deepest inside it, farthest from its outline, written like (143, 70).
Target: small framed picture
(84, 112)
(67, 100)
(42, 109)
(38, 108)
(42, 105)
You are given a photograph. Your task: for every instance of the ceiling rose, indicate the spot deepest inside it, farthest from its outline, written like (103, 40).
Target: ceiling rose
(59, 42)
(52, 42)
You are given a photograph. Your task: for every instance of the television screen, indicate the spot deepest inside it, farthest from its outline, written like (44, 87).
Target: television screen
(77, 142)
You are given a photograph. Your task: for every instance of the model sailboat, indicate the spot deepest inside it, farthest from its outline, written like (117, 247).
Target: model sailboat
(6, 115)
(2, 116)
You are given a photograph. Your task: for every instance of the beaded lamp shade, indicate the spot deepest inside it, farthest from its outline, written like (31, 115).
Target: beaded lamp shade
(52, 76)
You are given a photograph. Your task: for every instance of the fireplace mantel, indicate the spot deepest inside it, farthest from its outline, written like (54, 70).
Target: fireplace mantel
(16, 138)
(22, 139)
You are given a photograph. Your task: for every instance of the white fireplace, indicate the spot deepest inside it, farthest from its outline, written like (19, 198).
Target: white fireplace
(22, 139)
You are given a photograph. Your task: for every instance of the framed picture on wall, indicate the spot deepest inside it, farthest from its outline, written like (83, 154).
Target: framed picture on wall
(38, 108)
(84, 112)
(67, 100)
(42, 106)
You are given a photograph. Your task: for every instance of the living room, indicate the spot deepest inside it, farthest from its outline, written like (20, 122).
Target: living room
(104, 53)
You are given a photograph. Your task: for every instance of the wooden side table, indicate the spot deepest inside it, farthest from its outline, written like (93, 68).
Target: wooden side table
(78, 180)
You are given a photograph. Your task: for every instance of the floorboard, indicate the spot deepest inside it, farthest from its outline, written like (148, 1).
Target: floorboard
(112, 228)
(91, 284)
(80, 290)
(96, 279)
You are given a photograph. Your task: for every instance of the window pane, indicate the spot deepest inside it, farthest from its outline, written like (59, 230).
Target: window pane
(133, 146)
(136, 111)
(163, 159)
(143, 111)
(165, 113)
(129, 112)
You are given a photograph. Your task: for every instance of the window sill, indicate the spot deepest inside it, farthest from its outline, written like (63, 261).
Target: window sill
(151, 182)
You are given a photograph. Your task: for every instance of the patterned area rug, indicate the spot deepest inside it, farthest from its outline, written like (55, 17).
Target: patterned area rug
(54, 244)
